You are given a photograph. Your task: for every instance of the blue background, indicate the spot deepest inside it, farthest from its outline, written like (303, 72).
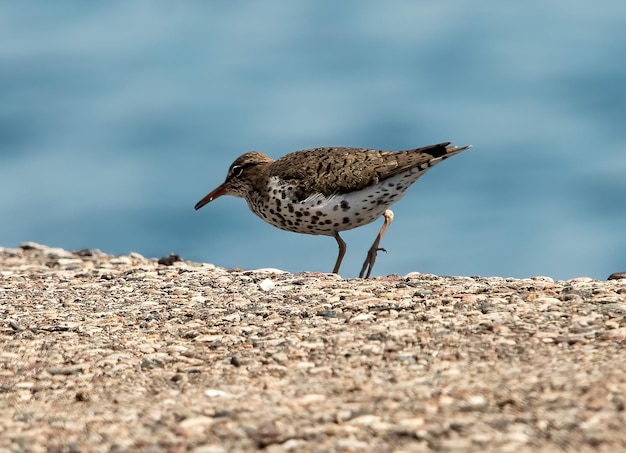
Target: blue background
(117, 117)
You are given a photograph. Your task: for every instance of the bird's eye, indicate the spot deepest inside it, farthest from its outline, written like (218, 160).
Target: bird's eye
(237, 171)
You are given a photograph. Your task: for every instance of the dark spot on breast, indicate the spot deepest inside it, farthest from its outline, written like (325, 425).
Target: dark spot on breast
(283, 195)
(335, 207)
(319, 213)
(345, 205)
(314, 219)
(306, 213)
(290, 208)
(391, 184)
(336, 225)
(328, 221)
(346, 220)
(298, 214)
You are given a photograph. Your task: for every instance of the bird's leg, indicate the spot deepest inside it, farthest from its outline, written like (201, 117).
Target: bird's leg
(371, 254)
(342, 252)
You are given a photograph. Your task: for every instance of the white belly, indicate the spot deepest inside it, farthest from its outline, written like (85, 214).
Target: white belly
(322, 215)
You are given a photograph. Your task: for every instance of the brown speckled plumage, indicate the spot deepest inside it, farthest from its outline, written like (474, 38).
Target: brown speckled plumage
(327, 190)
(343, 170)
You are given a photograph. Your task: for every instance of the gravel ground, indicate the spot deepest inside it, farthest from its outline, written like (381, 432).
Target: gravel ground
(102, 353)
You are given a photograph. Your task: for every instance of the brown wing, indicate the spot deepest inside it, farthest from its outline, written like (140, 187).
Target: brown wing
(341, 170)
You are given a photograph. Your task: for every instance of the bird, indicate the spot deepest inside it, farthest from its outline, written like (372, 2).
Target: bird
(328, 190)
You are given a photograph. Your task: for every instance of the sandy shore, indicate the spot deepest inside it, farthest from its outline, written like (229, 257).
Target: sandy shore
(101, 353)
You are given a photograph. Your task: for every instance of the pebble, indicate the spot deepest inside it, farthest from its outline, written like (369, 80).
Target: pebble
(121, 260)
(580, 280)
(541, 278)
(214, 393)
(209, 449)
(362, 317)
(267, 285)
(195, 426)
(269, 270)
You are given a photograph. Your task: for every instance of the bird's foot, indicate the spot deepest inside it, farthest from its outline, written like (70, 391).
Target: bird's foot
(368, 265)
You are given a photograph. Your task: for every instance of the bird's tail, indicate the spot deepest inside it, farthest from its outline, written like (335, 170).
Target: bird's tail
(433, 154)
(439, 151)
(452, 149)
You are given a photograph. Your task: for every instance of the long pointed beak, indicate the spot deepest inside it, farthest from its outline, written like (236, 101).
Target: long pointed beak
(221, 190)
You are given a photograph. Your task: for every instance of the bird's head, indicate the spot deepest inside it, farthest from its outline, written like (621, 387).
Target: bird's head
(241, 177)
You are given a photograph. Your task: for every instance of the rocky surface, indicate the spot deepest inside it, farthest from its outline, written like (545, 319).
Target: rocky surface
(101, 353)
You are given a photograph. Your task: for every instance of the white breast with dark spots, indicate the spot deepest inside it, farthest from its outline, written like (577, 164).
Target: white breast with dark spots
(322, 215)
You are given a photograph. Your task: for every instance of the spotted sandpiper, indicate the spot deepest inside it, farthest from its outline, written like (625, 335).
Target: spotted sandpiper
(323, 191)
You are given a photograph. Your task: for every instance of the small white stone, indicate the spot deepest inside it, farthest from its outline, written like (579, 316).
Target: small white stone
(362, 317)
(197, 423)
(413, 423)
(542, 278)
(57, 252)
(413, 275)
(477, 402)
(280, 357)
(234, 317)
(121, 260)
(209, 449)
(267, 285)
(223, 280)
(270, 270)
(365, 420)
(214, 393)
(294, 444)
(580, 280)
(70, 263)
(353, 445)
(546, 303)
(311, 398)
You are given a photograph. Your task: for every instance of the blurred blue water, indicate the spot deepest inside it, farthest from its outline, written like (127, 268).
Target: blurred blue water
(117, 117)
